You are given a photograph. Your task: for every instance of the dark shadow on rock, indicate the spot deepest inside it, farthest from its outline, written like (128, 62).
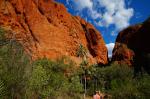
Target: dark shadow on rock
(137, 39)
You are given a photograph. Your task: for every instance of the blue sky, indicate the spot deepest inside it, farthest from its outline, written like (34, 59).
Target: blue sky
(109, 16)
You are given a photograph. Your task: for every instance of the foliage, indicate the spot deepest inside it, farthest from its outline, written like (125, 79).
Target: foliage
(119, 82)
(81, 51)
(2, 89)
(53, 79)
(143, 86)
(13, 65)
(45, 79)
(2, 33)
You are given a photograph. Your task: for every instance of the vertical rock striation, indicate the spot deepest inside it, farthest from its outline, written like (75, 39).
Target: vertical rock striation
(46, 29)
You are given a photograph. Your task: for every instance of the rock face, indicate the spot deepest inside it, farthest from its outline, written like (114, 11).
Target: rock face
(46, 29)
(132, 45)
(122, 53)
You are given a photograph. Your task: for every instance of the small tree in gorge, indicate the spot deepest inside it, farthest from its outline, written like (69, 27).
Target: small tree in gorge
(82, 53)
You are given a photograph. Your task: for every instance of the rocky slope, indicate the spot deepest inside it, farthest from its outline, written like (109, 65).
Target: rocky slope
(122, 52)
(46, 29)
(132, 45)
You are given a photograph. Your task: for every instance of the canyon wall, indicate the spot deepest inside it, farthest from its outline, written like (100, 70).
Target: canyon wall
(46, 29)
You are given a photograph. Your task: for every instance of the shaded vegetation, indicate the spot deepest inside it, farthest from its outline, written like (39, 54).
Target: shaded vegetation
(21, 78)
(118, 82)
(50, 79)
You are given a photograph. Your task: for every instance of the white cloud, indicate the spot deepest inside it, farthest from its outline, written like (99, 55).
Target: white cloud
(110, 47)
(115, 12)
(94, 14)
(108, 19)
(81, 4)
(122, 18)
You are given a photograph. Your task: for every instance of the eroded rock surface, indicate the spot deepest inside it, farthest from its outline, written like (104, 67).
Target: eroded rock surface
(132, 46)
(46, 29)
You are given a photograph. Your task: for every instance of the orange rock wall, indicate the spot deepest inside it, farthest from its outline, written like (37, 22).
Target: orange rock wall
(46, 29)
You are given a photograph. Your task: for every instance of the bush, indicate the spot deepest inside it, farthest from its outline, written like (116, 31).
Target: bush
(51, 79)
(119, 82)
(43, 78)
(2, 89)
(143, 86)
(13, 66)
(22, 79)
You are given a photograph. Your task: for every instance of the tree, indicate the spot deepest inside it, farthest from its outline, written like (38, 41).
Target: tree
(49, 79)
(13, 64)
(82, 52)
(2, 89)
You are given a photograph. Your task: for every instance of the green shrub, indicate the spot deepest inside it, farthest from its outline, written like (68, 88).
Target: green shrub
(13, 66)
(51, 79)
(2, 89)
(19, 79)
(22, 79)
(143, 86)
(119, 82)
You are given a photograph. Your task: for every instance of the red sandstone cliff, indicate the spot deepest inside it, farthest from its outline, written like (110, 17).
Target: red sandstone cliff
(46, 29)
(132, 45)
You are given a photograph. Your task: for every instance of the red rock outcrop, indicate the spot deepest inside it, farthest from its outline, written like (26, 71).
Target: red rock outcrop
(122, 54)
(132, 45)
(46, 29)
